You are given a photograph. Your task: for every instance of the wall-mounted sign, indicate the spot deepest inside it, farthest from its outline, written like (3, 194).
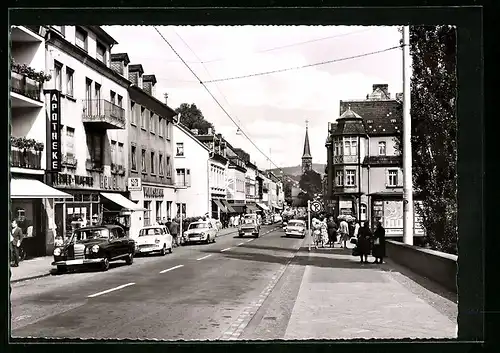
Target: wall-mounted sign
(345, 204)
(63, 179)
(103, 182)
(153, 193)
(134, 184)
(55, 131)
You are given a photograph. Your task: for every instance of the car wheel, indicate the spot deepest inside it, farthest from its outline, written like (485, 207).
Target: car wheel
(163, 250)
(208, 240)
(170, 250)
(213, 240)
(62, 269)
(105, 264)
(130, 258)
(257, 235)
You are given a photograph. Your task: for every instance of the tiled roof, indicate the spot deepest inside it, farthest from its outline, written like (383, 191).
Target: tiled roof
(380, 117)
(383, 160)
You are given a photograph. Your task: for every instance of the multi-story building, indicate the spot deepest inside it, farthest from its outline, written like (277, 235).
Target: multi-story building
(261, 190)
(235, 180)
(250, 181)
(31, 199)
(192, 172)
(364, 166)
(218, 173)
(94, 107)
(150, 146)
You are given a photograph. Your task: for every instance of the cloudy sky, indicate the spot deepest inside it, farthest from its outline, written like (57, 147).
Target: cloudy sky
(271, 109)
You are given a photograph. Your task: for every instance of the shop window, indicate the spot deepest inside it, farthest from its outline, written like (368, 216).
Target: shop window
(159, 205)
(147, 213)
(169, 209)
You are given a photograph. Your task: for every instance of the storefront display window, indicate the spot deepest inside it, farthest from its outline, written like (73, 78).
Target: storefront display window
(81, 211)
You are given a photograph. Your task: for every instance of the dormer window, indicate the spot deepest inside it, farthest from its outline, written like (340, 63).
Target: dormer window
(393, 120)
(81, 38)
(101, 52)
(381, 148)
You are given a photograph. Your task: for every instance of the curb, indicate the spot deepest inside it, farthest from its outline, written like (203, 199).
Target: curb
(30, 277)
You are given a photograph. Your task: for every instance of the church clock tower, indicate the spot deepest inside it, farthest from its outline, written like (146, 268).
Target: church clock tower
(306, 156)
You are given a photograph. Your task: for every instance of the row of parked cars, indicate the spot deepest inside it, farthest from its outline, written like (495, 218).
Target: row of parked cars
(100, 245)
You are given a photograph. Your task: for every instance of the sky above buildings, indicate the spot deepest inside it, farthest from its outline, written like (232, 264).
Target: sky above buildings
(271, 109)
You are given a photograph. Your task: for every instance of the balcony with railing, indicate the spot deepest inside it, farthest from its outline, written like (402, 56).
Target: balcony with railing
(103, 115)
(26, 153)
(181, 184)
(26, 86)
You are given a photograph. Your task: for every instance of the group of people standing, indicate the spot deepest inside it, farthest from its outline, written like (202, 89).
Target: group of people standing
(367, 241)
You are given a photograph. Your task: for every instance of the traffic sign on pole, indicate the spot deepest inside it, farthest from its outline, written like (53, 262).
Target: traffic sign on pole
(316, 206)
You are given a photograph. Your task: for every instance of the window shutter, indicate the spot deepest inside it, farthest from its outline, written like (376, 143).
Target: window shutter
(400, 177)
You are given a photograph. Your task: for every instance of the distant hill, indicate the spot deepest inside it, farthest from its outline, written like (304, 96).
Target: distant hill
(296, 171)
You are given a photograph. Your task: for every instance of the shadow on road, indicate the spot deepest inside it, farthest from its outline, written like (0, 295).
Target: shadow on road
(262, 247)
(87, 269)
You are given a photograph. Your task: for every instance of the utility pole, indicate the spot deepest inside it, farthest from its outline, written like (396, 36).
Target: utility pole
(407, 155)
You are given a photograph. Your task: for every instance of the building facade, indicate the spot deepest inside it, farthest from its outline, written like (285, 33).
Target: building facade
(235, 182)
(93, 113)
(364, 167)
(32, 200)
(192, 172)
(150, 145)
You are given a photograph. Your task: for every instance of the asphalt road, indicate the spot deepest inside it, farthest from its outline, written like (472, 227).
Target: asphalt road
(199, 292)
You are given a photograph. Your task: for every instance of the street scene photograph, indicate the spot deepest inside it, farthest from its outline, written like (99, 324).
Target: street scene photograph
(233, 183)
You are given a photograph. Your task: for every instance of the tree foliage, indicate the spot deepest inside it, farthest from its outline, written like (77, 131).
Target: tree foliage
(192, 118)
(287, 190)
(434, 131)
(311, 183)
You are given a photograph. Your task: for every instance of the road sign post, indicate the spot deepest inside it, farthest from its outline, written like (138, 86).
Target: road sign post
(309, 222)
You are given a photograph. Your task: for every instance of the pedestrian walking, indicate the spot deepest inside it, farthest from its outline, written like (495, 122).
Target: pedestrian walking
(344, 233)
(174, 230)
(379, 243)
(364, 242)
(332, 232)
(356, 229)
(16, 238)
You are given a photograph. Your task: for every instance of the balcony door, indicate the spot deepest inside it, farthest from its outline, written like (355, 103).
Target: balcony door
(97, 97)
(88, 97)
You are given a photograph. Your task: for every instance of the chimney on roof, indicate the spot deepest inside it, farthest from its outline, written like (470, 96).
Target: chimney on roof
(148, 84)
(119, 63)
(135, 73)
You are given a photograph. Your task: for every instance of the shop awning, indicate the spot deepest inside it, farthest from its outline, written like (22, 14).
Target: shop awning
(34, 189)
(123, 201)
(220, 205)
(252, 208)
(230, 209)
(263, 206)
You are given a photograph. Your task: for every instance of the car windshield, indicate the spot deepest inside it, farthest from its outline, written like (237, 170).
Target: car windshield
(88, 234)
(249, 220)
(150, 231)
(198, 225)
(295, 224)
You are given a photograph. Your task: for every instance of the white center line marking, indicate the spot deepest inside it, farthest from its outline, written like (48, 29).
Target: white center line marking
(249, 240)
(226, 249)
(204, 257)
(110, 290)
(171, 268)
(241, 243)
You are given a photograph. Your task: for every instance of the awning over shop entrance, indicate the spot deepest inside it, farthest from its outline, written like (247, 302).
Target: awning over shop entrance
(220, 205)
(252, 208)
(263, 206)
(123, 202)
(34, 189)
(230, 208)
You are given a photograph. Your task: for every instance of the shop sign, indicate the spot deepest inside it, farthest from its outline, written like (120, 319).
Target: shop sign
(153, 193)
(55, 131)
(345, 204)
(134, 184)
(72, 180)
(110, 182)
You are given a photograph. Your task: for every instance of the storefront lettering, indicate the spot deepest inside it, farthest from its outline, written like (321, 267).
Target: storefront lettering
(103, 182)
(109, 183)
(153, 193)
(55, 131)
(74, 180)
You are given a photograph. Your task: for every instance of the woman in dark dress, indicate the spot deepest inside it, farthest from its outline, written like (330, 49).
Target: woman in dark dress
(364, 239)
(379, 243)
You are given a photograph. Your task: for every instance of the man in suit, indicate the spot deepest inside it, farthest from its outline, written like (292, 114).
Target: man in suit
(15, 242)
(174, 229)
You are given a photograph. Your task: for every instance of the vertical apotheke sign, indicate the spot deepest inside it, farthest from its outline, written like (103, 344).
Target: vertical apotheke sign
(55, 130)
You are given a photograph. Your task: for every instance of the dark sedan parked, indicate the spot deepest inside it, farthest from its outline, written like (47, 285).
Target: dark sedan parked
(94, 245)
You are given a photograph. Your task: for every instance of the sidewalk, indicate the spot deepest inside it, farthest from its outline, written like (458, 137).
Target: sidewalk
(340, 298)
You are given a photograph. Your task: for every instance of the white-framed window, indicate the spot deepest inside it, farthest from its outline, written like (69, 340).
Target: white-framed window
(58, 75)
(70, 143)
(382, 148)
(69, 81)
(81, 38)
(168, 167)
(112, 97)
(179, 149)
(143, 161)
(339, 178)
(159, 207)
(120, 101)
(392, 177)
(161, 168)
(167, 130)
(363, 212)
(114, 152)
(133, 113)
(143, 118)
(350, 179)
(147, 213)
(152, 122)
(350, 146)
(152, 161)
(161, 126)
(121, 154)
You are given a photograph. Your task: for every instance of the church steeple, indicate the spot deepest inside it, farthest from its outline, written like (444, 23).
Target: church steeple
(306, 156)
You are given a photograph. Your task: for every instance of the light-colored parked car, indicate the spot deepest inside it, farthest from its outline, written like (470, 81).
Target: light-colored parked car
(296, 227)
(153, 239)
(202, 231)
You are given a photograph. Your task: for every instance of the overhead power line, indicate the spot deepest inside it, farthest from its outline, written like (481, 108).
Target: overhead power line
(214, 98)
(293, 45)
(304, 66)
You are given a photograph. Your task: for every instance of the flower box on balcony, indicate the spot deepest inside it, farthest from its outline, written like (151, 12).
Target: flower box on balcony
(93, 166)
(26, 153)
